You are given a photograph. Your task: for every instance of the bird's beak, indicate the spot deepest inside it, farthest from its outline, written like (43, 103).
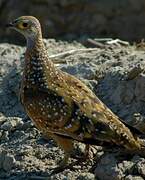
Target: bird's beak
(9, 25)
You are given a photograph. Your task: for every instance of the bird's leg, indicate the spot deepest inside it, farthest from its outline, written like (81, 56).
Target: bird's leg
(86, 154)
(66, 145)
(65, 160)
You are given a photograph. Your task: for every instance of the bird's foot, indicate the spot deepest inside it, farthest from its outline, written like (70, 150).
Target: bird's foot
(63, 164)
(81, 156)
(86, 158)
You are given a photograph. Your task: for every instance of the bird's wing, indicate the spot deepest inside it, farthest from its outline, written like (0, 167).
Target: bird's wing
(87, 101)
(97, 111)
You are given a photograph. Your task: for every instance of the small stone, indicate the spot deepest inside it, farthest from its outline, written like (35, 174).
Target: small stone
(18, 133)
(9, 162)
(134, 72)
(2, 155)
(139, 89)
(141, 167)
(2, 119)
(86, 176)
(138, 121)
(130, 177)
(7, 126)
(126, 166)
(1, 134)
(11, 124)
(27, 125)
(107, 169)
(5, 136)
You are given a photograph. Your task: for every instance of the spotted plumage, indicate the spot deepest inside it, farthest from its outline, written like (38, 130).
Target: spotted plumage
(60, 105)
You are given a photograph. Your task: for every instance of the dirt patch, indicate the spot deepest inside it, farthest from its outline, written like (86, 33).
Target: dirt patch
(115, 74)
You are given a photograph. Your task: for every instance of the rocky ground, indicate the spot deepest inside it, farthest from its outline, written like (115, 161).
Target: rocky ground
(115, 73)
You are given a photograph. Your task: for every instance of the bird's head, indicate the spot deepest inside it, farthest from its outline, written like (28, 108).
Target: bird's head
(29, 26)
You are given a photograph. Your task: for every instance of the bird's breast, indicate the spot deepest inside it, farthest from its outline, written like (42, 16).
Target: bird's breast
(46, 109)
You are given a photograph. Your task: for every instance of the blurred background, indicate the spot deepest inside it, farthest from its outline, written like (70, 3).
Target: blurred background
(77, 19)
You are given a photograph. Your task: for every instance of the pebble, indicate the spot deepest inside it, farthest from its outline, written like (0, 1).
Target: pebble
(2, 119)
(86, 176)
(11, 124)
(107, 168)
(130, 177)
(5, 136)
(141, 167)
(7, 161)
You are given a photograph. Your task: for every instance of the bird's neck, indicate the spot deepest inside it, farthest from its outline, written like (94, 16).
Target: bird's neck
(38, 67)
(34, 41)
(36, 54)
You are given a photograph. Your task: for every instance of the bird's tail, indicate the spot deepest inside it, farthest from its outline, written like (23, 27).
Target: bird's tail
(136, 133)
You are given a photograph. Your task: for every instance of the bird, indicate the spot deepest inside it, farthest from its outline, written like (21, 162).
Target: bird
(60, 105)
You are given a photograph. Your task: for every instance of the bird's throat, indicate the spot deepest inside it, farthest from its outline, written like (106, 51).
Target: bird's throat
(34, 41)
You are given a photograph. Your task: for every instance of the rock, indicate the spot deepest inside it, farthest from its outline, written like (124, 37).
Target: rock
(141, 167)
(140, 86)
(82, 70)
(11, 124)
(8, 162)
(107, 169)
(2, 155)
(127, 94)
(130, 177)
(1, 134)
(2, 119)
(124, 93)
(126, 166)
(4, 136)
(138, 121)
(134, 72)
(86, 176)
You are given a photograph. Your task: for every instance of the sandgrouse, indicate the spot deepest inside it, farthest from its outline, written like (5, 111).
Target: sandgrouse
(60, 105)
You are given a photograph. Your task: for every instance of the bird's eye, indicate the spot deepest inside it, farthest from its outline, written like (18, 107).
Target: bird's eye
(25, 24)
